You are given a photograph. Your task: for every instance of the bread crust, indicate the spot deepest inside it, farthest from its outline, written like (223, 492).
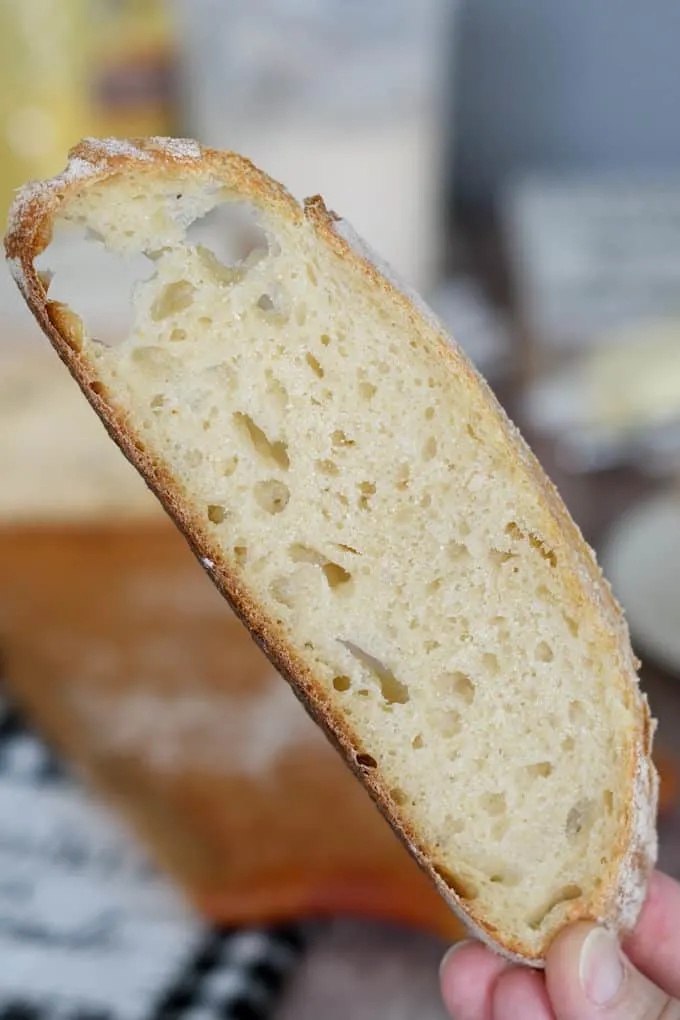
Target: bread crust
(36, 207)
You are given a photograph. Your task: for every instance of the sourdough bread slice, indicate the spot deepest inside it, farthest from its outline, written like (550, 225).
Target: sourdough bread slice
(353, 488)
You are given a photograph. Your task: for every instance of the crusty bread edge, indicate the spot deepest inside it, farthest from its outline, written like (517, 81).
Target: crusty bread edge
(29, 232)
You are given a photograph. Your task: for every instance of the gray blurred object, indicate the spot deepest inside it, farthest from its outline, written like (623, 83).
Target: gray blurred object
(362, 972)
(592, 254)
(596, 269)
(342, 97)
(642, 559)
(475, 324)
(575, 87)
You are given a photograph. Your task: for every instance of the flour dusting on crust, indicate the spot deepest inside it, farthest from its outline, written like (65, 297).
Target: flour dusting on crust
(361, 248)
(641, 857)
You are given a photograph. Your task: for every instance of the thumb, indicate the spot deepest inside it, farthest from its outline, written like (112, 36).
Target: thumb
(589, 978)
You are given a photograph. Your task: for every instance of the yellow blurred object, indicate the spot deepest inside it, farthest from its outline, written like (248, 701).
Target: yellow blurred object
(70, 68)
(633, 375)
(132, 68)
(43, 98)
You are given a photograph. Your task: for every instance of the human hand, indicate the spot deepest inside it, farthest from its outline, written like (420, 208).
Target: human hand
(587, 976)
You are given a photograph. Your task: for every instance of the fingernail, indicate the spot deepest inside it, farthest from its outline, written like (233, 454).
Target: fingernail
(450, 953)
(600, 967)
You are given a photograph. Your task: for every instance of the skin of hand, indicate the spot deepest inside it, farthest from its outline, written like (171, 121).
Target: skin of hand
(587, 975)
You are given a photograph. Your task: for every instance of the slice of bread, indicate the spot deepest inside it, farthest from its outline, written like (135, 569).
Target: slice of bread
(355, 491)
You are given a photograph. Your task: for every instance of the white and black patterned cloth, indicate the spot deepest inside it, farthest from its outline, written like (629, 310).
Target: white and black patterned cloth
(206, 973)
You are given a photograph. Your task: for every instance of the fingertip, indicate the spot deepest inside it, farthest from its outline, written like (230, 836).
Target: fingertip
(467, 975)
(562, 965)
(584, 969)
(453, 951)
(520, 993)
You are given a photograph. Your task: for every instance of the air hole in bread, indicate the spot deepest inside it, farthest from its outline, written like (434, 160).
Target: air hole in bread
(367, 489)
(366, 761)
(315, 365)
(311, 274)
(327, 467)
(580, 818)
(342, 683)
(240, 554)
(494, 804)
(98, 388)
(178, 335)
(335, 574)
(429, 413)
(80, 269)
(536, 542)
(572, 625)
(501, 873)
(157, 403)
(273, 307)
(301, 313)
(229, 466)
(325, 339)
(490, 663)
(340, 439)
(156, 363)
(393, 692)
(564, 895)
(276, 451)
(305, 554)
(447, 722)
(403, 477)
(175, 297)
(461, 885)
(347, 548)
(398, 796)
(276, 391)
(367, 390)
(458, 552)
(577, 713)
(68, 323)
(513, 531)
(232, 233)
(285, 591)
(272, 496)
(433, 587)
(500, 557)
(568, 744)
(608, 801)
(216, 513)
(539, 770)
(430, 448)
(457, 684)
(544, 652)
(418, 742)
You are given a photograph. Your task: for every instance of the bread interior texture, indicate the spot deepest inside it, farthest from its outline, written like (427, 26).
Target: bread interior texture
(354, 480)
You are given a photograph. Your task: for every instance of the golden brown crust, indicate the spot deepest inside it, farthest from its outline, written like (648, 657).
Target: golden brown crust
(30, 231)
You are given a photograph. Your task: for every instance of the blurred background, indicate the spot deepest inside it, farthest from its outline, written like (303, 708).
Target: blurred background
(517, 163)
